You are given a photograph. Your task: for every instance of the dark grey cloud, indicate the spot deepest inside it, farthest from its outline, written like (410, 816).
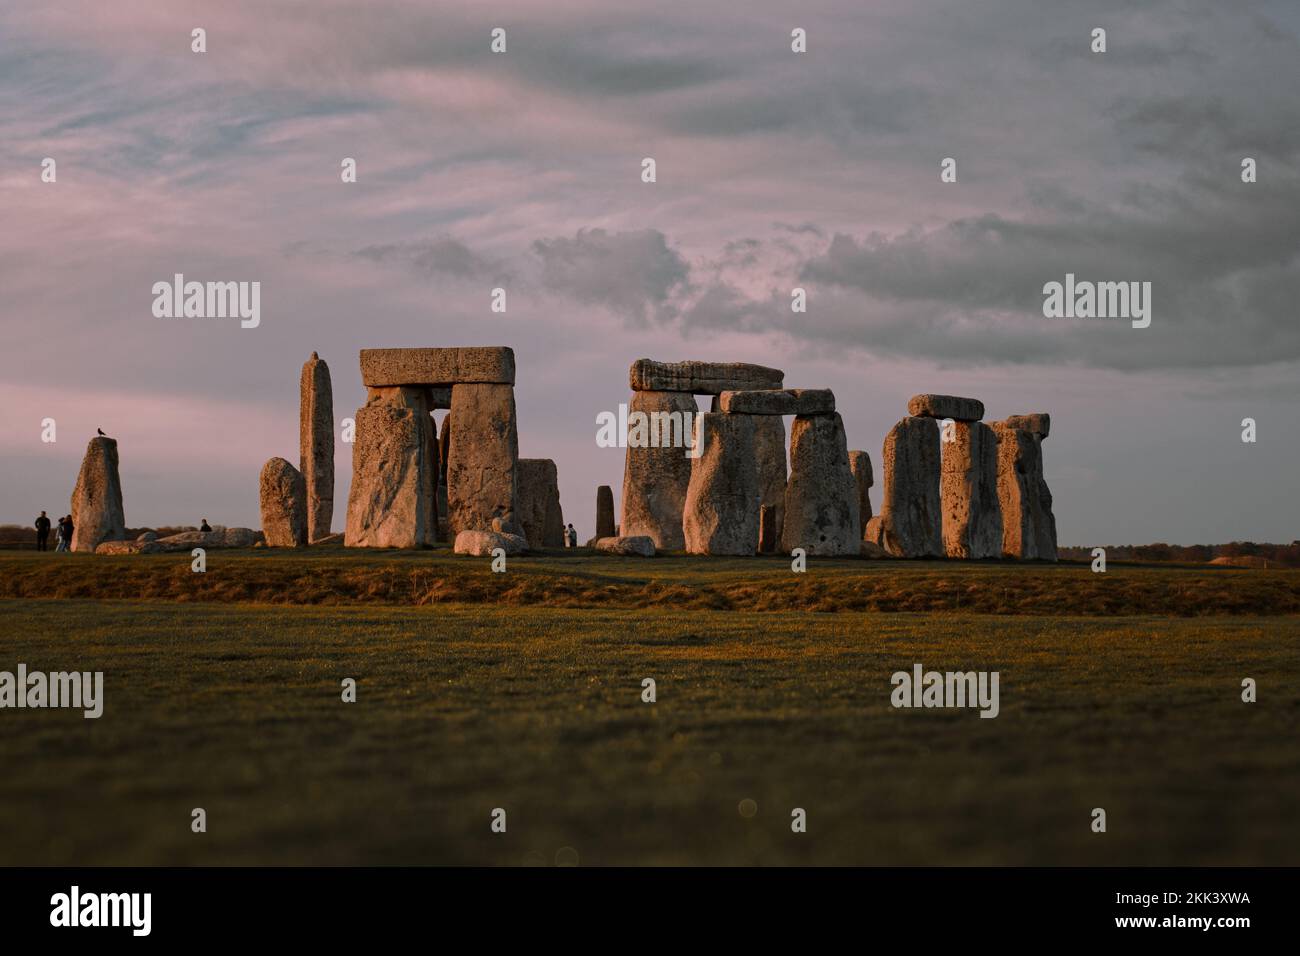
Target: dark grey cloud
(435, 258)
(634, 274)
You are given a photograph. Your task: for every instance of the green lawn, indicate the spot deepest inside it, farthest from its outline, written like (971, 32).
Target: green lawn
(466, 707)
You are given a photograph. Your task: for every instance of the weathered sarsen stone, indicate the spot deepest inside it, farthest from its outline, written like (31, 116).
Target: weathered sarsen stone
(483, 465)
(126, 547)
(97, 498)
(860, 464)
(911, 517)
(972, 513)
(779, 401)
(316, 444)
(769, 457)
(1028, 527)
(767, 533)
(493, 365)
(538, 499)
(483, 543)
(282, 493)
(946, 406)
(1039, 423)
(701, 378)
(637, 546)
(821, 499)
(229, 538)
(722, 498)
(604, 512)
(655, 479)
(394, 472)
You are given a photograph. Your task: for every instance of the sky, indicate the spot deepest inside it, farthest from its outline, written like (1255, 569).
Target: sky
(774, 170)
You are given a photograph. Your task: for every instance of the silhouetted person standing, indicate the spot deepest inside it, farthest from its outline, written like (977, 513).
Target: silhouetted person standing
(65, 534)
(204, 525)
(42, 532)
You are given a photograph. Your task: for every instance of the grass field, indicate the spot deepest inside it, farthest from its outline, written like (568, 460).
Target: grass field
(526, 695)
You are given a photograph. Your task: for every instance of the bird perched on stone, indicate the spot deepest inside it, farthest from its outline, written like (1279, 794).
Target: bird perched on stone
(101, 432)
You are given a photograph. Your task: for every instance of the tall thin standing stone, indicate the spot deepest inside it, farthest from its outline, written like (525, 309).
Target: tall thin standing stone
(1028, 526)
(316, 445)
(911, 519)
(821, 498)
(537, 496)
(767, 533)
(972, 512)
(97, 498)
(769, 454)
(483, 459)
(655, 479)
(860, 463)
(721, 512)
(394, 472)
(604, 512)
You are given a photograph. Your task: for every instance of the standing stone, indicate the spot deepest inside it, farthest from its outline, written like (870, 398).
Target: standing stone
(860, 463)
(769, 454)
(722, 499)
(97, 498)
(282, 492)
(1028, 530)
(767, 531)
(444, 449)
(316, 445)
(394, 472)
(1046, 529)
(911, 518)
(538, 498)
(604, 512)
(655, 479)
(483, 460)
(821, 499)
(972, 513)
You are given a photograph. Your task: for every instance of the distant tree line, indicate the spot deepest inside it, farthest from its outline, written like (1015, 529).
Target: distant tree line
(24, 536)
(1286, 555)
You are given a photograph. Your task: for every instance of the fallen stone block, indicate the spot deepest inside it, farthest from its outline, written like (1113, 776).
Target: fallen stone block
(483, 543)
(640, 546)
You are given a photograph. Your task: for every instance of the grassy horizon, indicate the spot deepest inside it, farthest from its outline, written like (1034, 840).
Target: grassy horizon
(584, 579)
(467, 707)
